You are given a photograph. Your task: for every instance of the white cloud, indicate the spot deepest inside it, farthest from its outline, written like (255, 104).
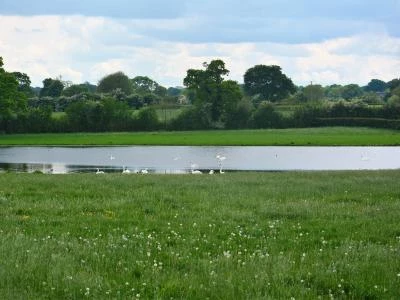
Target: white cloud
(87, 48)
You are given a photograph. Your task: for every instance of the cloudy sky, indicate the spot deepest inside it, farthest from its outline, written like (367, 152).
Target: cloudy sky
(341, 41)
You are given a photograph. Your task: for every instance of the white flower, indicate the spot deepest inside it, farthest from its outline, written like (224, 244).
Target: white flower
(227, 254)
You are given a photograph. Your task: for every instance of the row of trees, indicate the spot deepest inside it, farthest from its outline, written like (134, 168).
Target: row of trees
(122, 103)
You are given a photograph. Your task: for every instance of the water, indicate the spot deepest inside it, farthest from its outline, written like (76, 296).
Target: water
(183, 159)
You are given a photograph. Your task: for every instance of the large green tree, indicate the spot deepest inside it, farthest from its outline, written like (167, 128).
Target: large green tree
(268, 82)
(12, 101)
(114, 82)
(76, 89)
(350, 91)
(24, 83)
(51, 88)
(376, 85)
(211, 93)
(143, 85)
(313, 92)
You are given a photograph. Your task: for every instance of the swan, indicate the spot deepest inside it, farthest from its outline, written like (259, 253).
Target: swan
(196, 172)
(125, 171)
(220, 157)
(220, 160)
(99, 172)
(144, 171)
(211, 172)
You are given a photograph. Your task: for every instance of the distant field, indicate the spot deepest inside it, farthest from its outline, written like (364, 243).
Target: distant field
(234, 236)
(286, 110)
(58, 115)
(168, 113)
(308, 136)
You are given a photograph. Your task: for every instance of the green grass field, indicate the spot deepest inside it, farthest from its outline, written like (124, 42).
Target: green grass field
(310, 136)
(233, 236)
(167, 114)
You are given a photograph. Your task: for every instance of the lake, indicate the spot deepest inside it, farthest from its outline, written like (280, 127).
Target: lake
(183, 159)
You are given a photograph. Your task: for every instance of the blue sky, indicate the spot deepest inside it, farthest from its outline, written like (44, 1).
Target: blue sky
(325, 42)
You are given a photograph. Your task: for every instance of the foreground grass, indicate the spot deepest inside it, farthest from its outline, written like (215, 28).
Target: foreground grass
(307, 136)
(231, 236)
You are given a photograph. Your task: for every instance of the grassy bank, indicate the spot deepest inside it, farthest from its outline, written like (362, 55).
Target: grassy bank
(231, 236)
(308, 136)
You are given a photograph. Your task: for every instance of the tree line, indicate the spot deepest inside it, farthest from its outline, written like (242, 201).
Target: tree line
(266, 99)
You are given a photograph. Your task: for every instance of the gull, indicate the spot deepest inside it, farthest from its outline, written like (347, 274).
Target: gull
(211, 172)
(99, 172)
(144, 171)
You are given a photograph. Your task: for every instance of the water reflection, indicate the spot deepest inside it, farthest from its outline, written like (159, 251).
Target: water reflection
(186, 159)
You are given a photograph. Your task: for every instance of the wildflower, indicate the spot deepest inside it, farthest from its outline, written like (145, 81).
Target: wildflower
(227, 254)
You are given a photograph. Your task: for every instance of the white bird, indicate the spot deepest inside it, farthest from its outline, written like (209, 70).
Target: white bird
(126, 171)
(112, 157)
(220, 157)
(99, 172)
(220, 160)
(211, 172)
(364, 157)
(196, 172)
(144, 171)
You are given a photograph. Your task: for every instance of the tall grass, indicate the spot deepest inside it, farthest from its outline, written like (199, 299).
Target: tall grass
(231, 236)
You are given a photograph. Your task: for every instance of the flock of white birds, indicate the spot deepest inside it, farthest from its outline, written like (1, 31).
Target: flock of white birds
(220, 158)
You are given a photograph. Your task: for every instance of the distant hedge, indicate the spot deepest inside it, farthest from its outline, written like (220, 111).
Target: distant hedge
(370, 122)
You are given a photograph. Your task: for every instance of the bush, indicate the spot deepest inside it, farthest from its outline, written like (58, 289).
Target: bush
(266, 117)
(240, 117)
(192, 119)
(147, 119)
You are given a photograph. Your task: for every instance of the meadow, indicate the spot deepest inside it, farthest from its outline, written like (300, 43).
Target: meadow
(325, 136)
(278, 235)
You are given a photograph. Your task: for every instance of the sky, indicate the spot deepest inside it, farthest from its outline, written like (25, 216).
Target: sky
(319, 41)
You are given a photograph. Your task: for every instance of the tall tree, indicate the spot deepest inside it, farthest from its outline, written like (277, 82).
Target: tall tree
(12, 101)
(76, 89)
(351, 91)
(145, 85)
(24, 83)
(394, 83)
(115, 81)
(313, 92)
(210, 90)
(269, 82)
(51, 88)
(376, 85)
